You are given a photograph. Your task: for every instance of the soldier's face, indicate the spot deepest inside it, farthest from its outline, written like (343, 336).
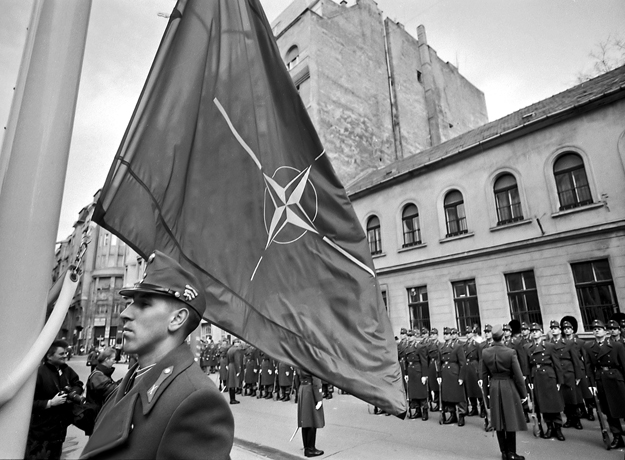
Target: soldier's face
(537, 334)
(568, 330)
(488, 335)
(599, 332)
(615, 331)
(556, 331)
(146, 320)
(525, 332)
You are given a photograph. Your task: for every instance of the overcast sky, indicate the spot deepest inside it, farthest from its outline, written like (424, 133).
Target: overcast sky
(516, 51)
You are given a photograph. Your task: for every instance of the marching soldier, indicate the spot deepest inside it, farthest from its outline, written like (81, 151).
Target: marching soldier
(572, 373)
(606, 372)
(545, 379)
(433, 348)
(417, 365)
(472, 371)
(452, 374)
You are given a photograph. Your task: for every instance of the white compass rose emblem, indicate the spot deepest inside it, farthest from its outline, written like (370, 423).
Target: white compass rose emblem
(287, 218)
(290, 209)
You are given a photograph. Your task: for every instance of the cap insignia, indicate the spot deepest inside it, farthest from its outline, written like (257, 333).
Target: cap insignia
(190, 293)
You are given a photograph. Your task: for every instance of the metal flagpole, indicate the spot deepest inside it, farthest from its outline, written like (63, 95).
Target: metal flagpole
(32, 167)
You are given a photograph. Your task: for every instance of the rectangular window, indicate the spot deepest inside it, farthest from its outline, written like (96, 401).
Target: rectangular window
(467, 308)
(595, 291)
(523, 297)
(303, 88)
(419, 308)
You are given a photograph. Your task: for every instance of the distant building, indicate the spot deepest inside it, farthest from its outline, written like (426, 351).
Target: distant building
(521, 218)
(375, 93)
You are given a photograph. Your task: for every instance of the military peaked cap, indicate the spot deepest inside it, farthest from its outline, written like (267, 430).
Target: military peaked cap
(497, 332)
(613, 324)
(165, 276)
(535, 327)
(554, 323)
(597, 323)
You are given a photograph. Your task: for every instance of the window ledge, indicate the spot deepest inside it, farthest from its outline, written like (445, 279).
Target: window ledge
(410, 248)
(379, 254)
(511, 224)
(457, 237)
(586, 207)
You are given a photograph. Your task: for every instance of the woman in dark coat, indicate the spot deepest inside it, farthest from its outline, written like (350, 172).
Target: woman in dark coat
(310, 411)
(504, 388)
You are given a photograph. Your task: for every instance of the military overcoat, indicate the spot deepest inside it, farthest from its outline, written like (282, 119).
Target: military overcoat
(173, 411)
(452, 369)
(606, 364)
(545, 373)
(504, 387)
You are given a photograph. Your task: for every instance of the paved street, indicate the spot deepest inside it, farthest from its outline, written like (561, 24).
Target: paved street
(263, 428)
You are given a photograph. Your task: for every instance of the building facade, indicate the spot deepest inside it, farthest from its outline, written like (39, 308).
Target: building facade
(375, 93)
(522, 218)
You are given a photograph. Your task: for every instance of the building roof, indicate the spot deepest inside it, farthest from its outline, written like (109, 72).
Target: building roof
(605, 85)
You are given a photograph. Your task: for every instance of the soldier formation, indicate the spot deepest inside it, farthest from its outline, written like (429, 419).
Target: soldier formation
(247, 371)
(566, 378)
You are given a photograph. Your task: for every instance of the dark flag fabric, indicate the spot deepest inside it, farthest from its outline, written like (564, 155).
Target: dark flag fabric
(221, 168)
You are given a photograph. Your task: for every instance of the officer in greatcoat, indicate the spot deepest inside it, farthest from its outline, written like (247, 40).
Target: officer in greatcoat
(165, 406)
(505, 391)
(572, 374)
(223, 364)
(471, 386)
(568, 324)
(545, 376)
(433, 349)
(615, 332)
(606, 372)
(285, 380)
(453, 363)
(251, 370)
(310, 414)
(234, 370)
(416, 372)
(267, 375)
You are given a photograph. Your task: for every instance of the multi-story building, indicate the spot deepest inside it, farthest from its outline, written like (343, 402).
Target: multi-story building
(374, 93)
(521, 218)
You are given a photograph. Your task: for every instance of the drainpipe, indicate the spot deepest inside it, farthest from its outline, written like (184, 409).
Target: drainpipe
(428, 83)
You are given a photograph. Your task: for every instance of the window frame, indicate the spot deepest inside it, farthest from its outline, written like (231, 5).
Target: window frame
(515, 216)
(376, 247)
(460, 221)
(421, 306)
(572, 179)
(466, 300)
(415, 232)
(523, 297)
(586, 290)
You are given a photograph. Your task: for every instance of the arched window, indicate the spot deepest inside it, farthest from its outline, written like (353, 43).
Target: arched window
(454, 214)
(292, 57)
(373, 235)
(410, 224)
(507, 200)
(571, 181)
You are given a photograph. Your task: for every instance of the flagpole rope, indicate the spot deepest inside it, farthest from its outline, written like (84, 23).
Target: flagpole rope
(29, 364)
(348, 255)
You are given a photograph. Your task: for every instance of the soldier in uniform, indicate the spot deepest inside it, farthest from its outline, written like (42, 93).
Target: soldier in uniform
(471, 386)
(545, 374)
(223, 364)
(606, 372)
(568, 324)
(401, 354)
(285, 380)
(433, 349)
(452, 374)
(507, 335)
(251, 370)
(615, 332)
(267, 375)
(213, 355)
(572, 373)
(505, 389)
(416, 373)
(525, 333)
(234, 370)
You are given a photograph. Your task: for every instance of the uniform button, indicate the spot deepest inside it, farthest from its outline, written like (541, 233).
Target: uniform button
(132, 427)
